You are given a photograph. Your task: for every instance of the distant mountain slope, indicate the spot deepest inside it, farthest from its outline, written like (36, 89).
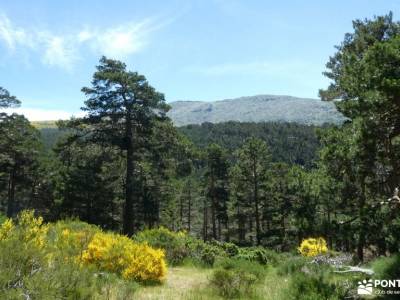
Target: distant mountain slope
(261, 108)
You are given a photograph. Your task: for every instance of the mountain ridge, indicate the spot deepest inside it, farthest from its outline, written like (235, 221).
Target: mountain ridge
(258, 108)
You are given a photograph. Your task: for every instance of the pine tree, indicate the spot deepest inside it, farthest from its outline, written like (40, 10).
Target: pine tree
(121, 108)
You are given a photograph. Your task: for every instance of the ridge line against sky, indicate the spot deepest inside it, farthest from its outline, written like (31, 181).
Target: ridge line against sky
(199, 50)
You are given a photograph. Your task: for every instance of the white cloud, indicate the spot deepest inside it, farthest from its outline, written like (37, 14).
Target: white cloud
(58, 52)
(36, 114)
(13, 36)
(123, 40)
(63, 50)
(84, 36)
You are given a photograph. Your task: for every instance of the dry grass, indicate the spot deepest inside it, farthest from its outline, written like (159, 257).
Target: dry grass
(191, 283)
(188, 283)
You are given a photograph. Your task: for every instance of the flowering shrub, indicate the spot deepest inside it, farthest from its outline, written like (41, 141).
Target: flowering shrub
(174, 243)
(119, 254)
(6, 229)
(31, 230)
(78, 243)
(313, 247)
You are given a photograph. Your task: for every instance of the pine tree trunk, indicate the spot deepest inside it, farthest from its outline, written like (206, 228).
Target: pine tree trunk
(255, 197)
(363, 223)
(213, 205)
(181, 211)
(205, 221)
(189, 217)
(11, 193)
(219, 229)
(129, 183)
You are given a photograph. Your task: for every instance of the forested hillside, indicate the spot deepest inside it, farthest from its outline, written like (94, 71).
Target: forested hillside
(291, 143)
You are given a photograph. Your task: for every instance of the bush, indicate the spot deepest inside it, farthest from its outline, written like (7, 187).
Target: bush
(258, 254)
(292, 265)
(235, 277)
(30, 270)
(121, 255)
(62, 261)
(312, 247)
(387, 268)
(174, 243)
(204, 253)
(259, 271)
(230, 249)
(231, 284)
(314, 286)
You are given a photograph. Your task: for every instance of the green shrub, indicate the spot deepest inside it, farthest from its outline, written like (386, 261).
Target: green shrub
(258, 254)
(292, 265)
(254, 268)
(204, 253)
(387, 268)
(174, 243)
(237, 277)
(314, 286)
(230, 249)
(230, 284)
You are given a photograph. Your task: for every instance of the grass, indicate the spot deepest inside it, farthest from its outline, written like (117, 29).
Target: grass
(274, 286)
(181, 283)
(192, 283)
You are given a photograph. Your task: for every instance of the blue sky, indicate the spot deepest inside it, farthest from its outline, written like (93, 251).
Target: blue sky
(189, 50)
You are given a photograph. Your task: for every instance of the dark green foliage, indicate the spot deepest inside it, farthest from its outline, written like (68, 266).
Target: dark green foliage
(122, 109)
(364, 75)
(291, 143)
(88, 184)
(314, 286)
(19, 162)
(258, 254)
(387, 267)
(217, 192)
(50, 136)
(230, 249)
(7, 100)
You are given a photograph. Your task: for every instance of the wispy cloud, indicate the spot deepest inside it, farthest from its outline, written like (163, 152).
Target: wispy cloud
(12, 36)
(64, 50)
(123, 40)
(59, 52)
